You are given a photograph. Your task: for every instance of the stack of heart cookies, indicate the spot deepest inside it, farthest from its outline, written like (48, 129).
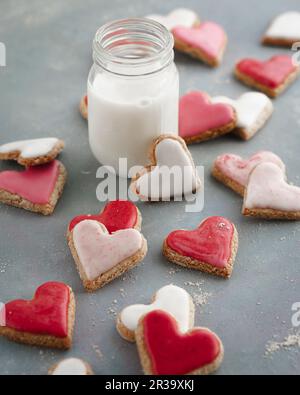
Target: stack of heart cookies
(262, 182)
(39, 187)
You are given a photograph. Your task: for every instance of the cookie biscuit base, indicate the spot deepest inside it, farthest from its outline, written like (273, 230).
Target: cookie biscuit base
(35, 161)
(153, 163)
(146, 360)
(110, 275)
(89, 370)
(191, 263)
(129, 335)
(279, 42)
(45, 340)
(229, 182)
(263, 88)
(83, 108)
(267, 213)
(197, 53)
(45, 209)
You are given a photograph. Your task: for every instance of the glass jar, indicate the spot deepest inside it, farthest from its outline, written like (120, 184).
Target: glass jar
(133, 91)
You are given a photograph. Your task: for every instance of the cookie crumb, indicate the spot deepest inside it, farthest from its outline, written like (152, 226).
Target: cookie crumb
(292, 340)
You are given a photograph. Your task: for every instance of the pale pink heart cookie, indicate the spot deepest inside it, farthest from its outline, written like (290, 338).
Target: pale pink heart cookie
(71, 367)
(269, 196)
(178, 17)
(101, 257)
(206, 42)
(201, 120)
(233, 171)
(284, 30)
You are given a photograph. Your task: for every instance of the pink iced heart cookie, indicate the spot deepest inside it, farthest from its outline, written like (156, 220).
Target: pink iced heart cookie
(233, 171)
(269, 196)
(206, 42)
(101, 257)
(271, 77)
(201, 120)
(35, 189)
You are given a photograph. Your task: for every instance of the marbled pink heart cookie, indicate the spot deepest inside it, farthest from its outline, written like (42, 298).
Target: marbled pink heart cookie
(269, 196)
(233, 171)
(201, 120)
(101, 257)
(206, 42)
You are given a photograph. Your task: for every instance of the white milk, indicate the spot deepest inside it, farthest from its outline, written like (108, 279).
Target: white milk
(126, 113)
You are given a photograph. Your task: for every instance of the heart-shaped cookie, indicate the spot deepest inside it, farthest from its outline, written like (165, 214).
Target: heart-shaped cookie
(47, 320)
(116, 215)
(211, 248)
(284, 30)
(164, 350)
(32, 152)
(101, 257)
(35, 189)
(178, 17)
(268, 195)
(201, 120)
(206, 42)
(83, 107)
(234, 171)
(172, 299)
(71, 367)
(271, 77)
(253, 109)
(172, 173)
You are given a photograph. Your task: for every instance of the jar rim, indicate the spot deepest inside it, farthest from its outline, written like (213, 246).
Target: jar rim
(147, 46)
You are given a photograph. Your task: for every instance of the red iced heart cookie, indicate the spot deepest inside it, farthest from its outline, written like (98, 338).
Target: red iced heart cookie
(164, 350)
(200, 120)
(206, 42)
(210, 248)
(116, 215)
(47, 320)
(36, 189)
(271, 76)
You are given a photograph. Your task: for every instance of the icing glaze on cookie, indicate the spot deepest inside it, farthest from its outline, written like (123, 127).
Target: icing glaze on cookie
(208, 37)
(174, 353)
(211, 243)
(238, 169)
(286, 25)
(99, 251)
(267, 188)
(172, 299)
(272, 73)
(30, 148)
(70, 367)
(178, 17)
(197, 114)
(46, 314)
(36, 184)
(170, 154)
(117, 215)
(250, 107)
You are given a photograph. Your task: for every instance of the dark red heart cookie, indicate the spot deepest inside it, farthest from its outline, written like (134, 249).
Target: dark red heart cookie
(116, 215)
(271, 76)
(211, 248)
(164, 350)
(47, 320)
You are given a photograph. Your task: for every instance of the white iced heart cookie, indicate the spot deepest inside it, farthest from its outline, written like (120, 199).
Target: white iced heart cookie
(71, 367)
(172, 173)
(234, 171)
(101, 257)
(172, 299)
(2, 315)
(178, 17)
(253, 110)
(268, 195)
(32, 152)
(284, 30)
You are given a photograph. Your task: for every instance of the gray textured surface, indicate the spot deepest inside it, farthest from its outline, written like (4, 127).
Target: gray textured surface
(48, 58)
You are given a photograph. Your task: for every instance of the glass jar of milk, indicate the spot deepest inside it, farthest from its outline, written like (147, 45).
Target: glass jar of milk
(133, 91)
